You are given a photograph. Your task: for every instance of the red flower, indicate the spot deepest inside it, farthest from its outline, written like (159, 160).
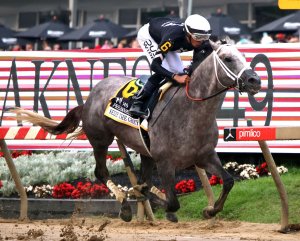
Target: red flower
(82, 190)
(214, 180)
(75, 194)
(118, 159)
(25, 153)
(1, 185)
(109, 157)
(16, 153)
(185, 186)
(99, 190)
(63, 190)
(262, 169)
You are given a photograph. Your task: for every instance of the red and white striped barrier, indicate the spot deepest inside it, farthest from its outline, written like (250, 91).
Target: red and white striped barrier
(15, 136)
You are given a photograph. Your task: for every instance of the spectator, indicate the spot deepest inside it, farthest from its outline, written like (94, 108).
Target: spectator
(122, 44)
(29, 47)
(219, 12)
(107, 45)
(46, 46)
(97, 46)
(245, 39)
(294, 39)
(57, 47)
(172, 14)
(134, 44)
(16, 47)
(280, 38)
(266, 39)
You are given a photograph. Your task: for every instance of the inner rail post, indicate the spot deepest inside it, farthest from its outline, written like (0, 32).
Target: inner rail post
(16, 177)
(279, 185)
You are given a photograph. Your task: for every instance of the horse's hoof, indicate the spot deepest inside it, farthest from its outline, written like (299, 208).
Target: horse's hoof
(208, 212)
(125, 212)
(172, 217)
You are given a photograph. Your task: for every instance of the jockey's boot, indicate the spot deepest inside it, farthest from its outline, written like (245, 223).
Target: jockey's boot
(136, 108)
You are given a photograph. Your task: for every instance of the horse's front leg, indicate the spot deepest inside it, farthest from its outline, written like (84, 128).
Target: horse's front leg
(213, 165)
(167, 175)
(101, 172)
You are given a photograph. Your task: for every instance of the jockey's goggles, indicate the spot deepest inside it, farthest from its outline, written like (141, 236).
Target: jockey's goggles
(198, 35)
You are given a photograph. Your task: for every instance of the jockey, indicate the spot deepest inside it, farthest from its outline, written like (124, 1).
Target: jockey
(162, 39)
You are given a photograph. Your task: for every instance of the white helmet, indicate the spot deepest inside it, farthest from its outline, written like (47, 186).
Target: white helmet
(198, 27)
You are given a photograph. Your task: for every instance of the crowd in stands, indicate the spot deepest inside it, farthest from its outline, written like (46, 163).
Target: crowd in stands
(270, 39)
(107, 44)
(133, 43)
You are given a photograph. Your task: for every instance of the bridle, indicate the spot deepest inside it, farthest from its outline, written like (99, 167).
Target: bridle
(238, 82)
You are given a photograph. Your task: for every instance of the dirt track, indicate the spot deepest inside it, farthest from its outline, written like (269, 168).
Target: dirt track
(105, 229)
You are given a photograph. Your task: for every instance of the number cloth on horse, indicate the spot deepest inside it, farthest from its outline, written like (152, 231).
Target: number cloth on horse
(119, 105)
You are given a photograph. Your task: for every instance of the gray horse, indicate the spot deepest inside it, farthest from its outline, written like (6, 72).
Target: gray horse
(182, 133)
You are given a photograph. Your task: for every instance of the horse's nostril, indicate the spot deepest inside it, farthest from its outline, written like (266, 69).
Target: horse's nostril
(254, 80)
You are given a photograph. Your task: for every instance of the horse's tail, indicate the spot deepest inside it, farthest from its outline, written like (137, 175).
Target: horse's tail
(68, 125)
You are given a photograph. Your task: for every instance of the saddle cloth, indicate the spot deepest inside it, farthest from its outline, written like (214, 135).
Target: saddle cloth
(119, 105)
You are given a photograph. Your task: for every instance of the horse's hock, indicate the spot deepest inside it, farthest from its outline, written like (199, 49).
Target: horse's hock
(263, 134)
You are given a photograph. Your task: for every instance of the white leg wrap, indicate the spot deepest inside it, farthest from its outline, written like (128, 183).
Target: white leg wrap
(158, 193)
(120, 196)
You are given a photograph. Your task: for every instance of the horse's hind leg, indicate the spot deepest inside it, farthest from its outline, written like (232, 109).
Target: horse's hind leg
(101, 172)
(212, 164)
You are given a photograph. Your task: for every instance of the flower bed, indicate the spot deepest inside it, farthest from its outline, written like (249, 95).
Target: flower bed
(71, 175)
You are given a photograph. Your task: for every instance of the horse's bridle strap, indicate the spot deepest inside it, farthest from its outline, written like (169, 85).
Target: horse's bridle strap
(229, 73)
(205, 98)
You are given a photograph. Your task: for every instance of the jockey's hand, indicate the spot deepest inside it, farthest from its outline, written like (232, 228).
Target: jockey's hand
(181, 79)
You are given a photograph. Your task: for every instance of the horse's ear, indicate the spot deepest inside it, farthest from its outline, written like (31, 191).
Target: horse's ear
(214, 45)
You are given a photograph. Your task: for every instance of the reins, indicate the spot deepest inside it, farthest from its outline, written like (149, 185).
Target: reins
(205, 98)
(228, 72)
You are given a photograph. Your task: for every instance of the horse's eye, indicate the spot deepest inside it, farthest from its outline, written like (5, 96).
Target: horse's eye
(227, 59)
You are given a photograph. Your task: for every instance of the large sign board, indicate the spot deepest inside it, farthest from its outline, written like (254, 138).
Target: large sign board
(52, 83)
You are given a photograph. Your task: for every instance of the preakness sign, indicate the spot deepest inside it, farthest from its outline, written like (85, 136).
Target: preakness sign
(52, 83)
